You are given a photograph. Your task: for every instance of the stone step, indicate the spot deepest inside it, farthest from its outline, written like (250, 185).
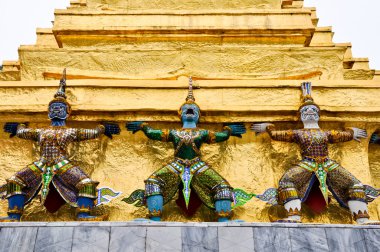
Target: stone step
(95, 100)
(87, 27)
(180, 5)
(170, 60)
(177, 236)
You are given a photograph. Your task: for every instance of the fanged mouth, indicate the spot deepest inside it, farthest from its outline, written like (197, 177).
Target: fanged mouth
(310, 113)
(190, 112)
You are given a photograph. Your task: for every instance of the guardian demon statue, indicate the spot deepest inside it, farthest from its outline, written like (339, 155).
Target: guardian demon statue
(311, 178)
(54, 175)
(188, 171)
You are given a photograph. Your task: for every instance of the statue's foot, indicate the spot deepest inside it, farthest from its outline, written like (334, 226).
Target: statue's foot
(9, 219)
(287, 220)
(229, 221)
(233, 221)
(142, 220)
(92, 218)
(367, 221)
(370, 222)
(375, 223)
(155, 218)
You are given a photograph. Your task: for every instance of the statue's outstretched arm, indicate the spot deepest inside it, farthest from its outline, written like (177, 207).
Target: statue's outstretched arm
(229, 130)
(21, 130)
(338, 136)
(278, 135)
(154, 134)
(107, 129)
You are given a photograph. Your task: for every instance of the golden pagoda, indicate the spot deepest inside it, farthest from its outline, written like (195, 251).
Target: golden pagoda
(129, 60)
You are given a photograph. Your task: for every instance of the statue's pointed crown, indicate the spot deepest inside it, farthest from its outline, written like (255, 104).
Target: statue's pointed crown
(306, 95)
(61, 92)
(60, 95)
(190, 99)
(190, 95)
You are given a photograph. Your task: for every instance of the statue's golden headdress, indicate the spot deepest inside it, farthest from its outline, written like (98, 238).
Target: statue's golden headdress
(190, 99)
(60, 95)
(306, 95)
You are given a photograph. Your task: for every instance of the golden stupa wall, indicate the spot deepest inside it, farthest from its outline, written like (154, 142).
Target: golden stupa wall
(129, 60)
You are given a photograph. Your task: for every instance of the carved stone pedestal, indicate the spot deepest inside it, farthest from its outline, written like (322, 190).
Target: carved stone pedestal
(178, 236)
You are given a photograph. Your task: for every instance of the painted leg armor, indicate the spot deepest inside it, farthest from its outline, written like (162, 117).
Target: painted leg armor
(289, 198)
(212, 189)
(346, 189)
(358, 205)
(155, 204)
(21, 188)
(16, 201)
(15, 208)
(223, 210)
(352, 194)
(86, 197)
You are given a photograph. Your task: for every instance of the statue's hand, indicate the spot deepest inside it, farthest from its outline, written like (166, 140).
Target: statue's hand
(259, 127)
(359, 133)
(237, 129)
(111, 129)
(11, 127)
(134, 126)
(375, 138)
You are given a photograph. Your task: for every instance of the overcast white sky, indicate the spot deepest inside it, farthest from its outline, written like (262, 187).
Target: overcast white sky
(352, 21)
